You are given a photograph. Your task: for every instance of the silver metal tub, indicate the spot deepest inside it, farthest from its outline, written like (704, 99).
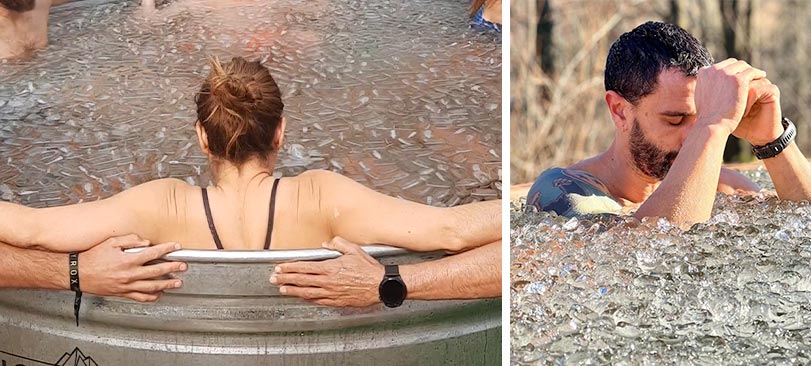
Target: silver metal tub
(228, 313)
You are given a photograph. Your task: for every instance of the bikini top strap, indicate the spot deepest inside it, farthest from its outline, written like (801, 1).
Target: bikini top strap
(211, 220)
(270, 215)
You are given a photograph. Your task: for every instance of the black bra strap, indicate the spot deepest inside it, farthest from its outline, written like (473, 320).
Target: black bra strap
(211, 220)
(270, 215)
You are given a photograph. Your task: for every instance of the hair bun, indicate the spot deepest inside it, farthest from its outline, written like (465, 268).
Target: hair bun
(240, 107)
(233, 91)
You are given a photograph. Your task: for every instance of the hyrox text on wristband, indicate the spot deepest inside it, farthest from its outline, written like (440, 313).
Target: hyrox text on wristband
(73, 261)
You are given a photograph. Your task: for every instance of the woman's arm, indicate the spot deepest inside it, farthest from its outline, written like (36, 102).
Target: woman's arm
(364, 216)
(140, 210)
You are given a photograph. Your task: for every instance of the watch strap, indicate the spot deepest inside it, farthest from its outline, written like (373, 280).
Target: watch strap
(392, 270)
(777, 146)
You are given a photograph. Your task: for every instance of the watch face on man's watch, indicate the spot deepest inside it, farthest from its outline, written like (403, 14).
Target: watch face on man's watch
(392, 292)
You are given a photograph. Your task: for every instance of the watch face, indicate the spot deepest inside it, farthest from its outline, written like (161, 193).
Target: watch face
(392, 292)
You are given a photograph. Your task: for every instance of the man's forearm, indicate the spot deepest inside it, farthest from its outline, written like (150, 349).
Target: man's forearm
(791, 174)
(29, 268)
(687, 193)
(472, 274)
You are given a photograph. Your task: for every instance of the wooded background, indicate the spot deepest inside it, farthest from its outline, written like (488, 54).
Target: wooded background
(558, 51)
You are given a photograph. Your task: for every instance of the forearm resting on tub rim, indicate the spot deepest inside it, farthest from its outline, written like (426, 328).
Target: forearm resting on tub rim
(62, 229)
(16, 226)
(477, 224)
(470, 275)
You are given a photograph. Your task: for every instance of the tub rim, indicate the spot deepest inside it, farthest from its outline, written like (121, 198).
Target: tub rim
(269, 256)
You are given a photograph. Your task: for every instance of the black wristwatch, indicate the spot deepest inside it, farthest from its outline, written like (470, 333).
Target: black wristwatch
(392, 289)
(775, 147)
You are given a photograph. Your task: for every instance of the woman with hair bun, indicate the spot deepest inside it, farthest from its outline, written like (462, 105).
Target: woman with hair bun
(241, 129)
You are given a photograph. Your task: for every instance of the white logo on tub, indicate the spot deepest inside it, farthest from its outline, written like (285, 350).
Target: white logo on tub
(75, 358)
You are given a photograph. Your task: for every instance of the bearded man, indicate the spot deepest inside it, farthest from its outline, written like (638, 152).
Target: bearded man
(674, 110)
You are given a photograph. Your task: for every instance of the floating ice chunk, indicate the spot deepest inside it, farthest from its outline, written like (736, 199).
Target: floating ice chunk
(535, 288)
(571, 224)
(6, 194)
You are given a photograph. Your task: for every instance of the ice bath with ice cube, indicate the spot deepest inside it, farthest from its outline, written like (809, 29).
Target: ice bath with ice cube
(735, 290)
(400, 96)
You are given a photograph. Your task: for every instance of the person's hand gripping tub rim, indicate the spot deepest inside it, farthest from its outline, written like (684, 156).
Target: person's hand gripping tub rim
(355, 278)
(107, 270)
(349, 280)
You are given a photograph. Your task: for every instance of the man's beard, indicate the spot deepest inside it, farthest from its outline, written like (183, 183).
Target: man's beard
(648, 158)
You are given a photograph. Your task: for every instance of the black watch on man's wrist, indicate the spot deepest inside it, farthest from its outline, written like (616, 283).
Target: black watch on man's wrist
(392, 289)
(775, 147)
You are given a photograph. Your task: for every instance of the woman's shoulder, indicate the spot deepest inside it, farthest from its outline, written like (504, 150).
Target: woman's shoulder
(326, 179)
(321, 175)
(166, 183)
(159, 186)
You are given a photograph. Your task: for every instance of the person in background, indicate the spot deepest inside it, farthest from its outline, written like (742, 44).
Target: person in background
(24, 25)
(486, 14)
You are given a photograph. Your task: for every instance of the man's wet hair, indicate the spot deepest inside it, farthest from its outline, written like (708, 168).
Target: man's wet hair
(638, 57)
(18, 5)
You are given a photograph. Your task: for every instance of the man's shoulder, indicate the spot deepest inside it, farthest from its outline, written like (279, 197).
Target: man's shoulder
(572, 181)
(570, 192)
(731, 181)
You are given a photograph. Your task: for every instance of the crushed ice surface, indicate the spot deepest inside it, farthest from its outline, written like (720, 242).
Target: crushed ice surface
(382, 92)
(613, 290)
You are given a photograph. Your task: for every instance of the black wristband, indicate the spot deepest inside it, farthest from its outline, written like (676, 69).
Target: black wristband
(73, 262)
(775, 147)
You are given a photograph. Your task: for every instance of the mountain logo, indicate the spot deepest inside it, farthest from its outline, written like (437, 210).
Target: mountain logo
(74, 358)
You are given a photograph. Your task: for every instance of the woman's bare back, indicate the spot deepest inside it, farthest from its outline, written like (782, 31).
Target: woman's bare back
(310, 209)
(241, 216)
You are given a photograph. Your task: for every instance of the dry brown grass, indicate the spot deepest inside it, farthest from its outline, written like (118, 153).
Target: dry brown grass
(559, 119)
